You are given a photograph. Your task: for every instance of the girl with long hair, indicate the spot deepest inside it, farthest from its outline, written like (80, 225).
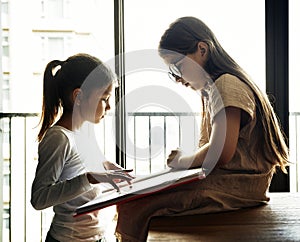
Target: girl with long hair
(241, 141)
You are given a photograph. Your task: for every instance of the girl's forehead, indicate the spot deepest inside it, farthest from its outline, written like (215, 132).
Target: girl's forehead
(173, 58)
(104, 90)
(109, 88)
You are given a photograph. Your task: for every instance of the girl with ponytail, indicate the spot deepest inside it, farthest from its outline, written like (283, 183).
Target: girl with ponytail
(76, 91)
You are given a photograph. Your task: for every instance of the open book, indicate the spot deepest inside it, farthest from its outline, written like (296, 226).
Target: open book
(141, 187)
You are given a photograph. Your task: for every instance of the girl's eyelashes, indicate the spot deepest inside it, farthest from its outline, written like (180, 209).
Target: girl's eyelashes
(105, 99)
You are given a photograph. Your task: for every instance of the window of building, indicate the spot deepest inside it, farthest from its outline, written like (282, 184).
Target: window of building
(4, 13)
(53, 8)
(55, 48)
(5, 50)
(5, 91)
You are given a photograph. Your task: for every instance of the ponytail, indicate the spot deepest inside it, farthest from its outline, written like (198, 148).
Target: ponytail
(51, 99)
(62, 77)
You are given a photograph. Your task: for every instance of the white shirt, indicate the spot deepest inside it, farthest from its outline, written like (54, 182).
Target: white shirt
(61, 182)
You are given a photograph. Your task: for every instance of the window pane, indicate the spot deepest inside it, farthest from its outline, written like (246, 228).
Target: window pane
(4, 13)
(294, 87)
(55, 48)
(55, 8)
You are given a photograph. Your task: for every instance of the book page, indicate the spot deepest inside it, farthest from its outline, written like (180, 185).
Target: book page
(142, 186)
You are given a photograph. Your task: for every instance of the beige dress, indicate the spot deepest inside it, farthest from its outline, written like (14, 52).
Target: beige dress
(242, 182)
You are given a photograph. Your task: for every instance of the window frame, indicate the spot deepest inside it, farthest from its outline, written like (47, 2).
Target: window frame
(277, 73)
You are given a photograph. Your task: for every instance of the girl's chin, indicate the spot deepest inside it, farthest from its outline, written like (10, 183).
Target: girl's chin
(98, 119)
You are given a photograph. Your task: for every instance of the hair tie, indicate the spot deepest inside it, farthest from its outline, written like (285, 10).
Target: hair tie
(55, 70)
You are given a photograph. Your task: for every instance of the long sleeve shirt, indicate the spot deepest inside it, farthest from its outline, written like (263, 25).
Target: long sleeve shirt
(61, 181)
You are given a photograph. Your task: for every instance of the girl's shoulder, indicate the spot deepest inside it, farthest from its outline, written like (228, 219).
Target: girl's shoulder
(57, 134)
(228, 83)
(230, 91)
(231, 81)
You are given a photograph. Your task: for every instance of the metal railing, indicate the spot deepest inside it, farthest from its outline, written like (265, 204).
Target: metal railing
(150, 137)
(294, 146)
(17, 154)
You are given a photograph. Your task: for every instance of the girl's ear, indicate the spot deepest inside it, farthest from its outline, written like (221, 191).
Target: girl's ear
(76, 96)
(203, 47)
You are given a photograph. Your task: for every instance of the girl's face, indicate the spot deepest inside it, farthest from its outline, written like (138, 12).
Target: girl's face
(94, 108)
(191, 68)
(192, 73)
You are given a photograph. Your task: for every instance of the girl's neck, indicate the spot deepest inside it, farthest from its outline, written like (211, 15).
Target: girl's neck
(68, 121)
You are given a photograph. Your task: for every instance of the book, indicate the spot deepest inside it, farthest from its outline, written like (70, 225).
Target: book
(140, 187)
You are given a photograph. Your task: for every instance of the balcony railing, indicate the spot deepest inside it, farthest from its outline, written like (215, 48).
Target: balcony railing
(18, 159)
(294, 146)
(150, 138)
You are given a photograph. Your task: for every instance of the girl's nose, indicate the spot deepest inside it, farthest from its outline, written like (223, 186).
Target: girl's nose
(107, 107)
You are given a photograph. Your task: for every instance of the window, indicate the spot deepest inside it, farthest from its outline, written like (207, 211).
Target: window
(5, 92)
(5, 104)
(53, 8)
(5, 50)
(4, 13)
(294, 87)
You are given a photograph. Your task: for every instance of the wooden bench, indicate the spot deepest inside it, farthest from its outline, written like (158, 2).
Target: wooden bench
(277, 221)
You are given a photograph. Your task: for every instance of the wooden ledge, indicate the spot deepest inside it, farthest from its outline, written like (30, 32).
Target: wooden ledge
(277, 221)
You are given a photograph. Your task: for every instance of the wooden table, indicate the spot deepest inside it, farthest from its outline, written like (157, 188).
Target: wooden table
(277, 221)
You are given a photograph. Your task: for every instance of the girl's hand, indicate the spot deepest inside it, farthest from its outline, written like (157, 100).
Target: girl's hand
(95, 178)
(180, 160)
(111, 166)
(173, 160)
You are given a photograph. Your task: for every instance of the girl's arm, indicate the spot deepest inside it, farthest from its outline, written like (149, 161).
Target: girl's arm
(221, 146)
(47, 190)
